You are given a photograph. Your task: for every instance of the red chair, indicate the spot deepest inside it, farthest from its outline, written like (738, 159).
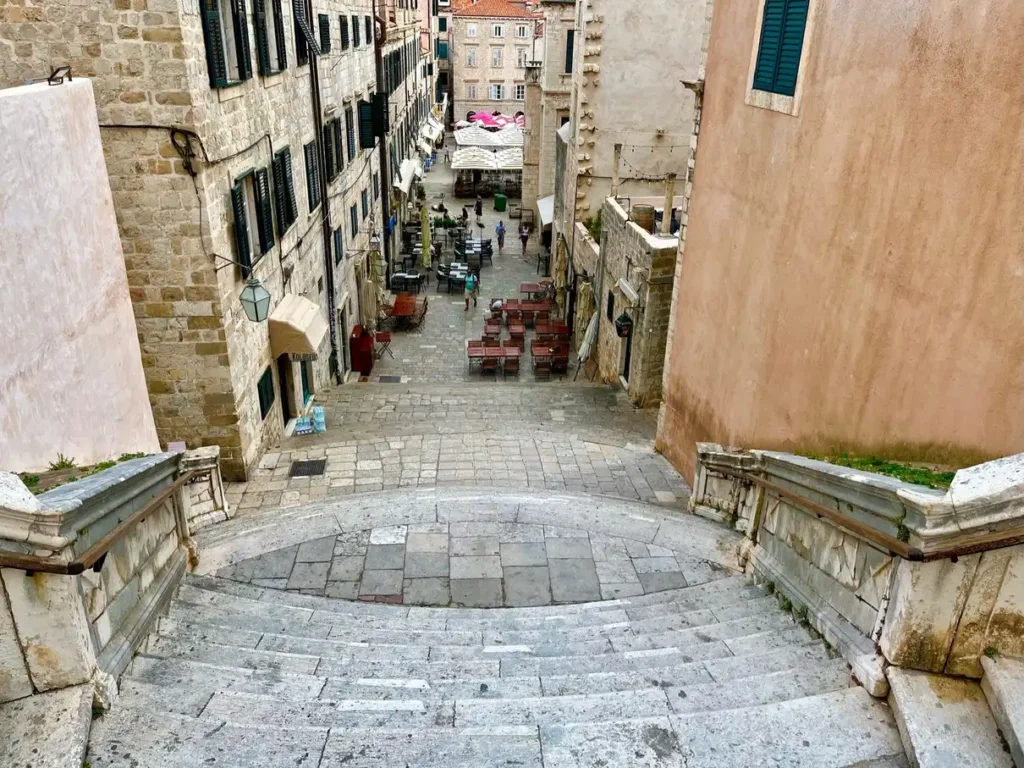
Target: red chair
(383, 340)
(489, 365)
(511, 365)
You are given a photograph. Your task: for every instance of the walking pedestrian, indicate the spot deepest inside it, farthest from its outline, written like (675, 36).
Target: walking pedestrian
(479, 206)
(446, 157)
(500, 232)
(524, 236)
(472, 288)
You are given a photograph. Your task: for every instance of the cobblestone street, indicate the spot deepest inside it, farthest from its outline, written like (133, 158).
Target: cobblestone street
(434, 423)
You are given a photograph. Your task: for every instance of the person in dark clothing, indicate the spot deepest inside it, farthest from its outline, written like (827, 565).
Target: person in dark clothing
(479, 207)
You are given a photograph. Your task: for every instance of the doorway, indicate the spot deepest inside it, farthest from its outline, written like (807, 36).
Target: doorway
(627, 356)
(284, 376)
(346, 364)
(307, 392)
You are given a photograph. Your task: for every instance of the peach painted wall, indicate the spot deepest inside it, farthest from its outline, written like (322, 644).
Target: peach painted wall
(71, 377)
(854, 276)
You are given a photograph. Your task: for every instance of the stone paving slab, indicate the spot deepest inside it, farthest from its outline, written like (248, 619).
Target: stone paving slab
(473, 564)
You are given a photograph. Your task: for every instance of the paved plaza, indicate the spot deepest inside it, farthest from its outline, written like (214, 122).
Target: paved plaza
(472, 564)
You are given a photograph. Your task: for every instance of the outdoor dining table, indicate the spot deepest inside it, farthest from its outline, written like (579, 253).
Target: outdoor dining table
(497, 352)
(532, 289)
(404, 306)
(517, 329)
(547, 349)
(549, 327)
(535, 306)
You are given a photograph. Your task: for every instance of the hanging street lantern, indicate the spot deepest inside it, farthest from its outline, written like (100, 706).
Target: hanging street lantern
(623, 325)
(255, 300)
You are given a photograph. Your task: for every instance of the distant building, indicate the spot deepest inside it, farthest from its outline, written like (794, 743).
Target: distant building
(853, 268)
(492, 42)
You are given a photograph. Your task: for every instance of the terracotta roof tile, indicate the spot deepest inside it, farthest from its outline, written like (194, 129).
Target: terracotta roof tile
(501, 9)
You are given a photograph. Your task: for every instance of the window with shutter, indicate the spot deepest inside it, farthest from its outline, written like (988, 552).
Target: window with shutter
(282, 51)
(265, 393)
(312, 176)
(264, 211)
(339, 144)
(782, 38)
(226, 34)
(305, 40)
(243, 251)
(366, 137)
(289, 181)
(280, 194)
(343, 27)
(442, 24)
(325, 32)
(354, 216)
(355, 31)
(268, 23)
(350, 130)
(366, 202)
(332, 171)
(570, 45)
(216, 45)
(241, 21)
(369, 30)
(376, 186)
(339, 246)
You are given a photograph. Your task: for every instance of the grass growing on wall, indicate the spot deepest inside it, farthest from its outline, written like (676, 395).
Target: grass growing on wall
(908, 473)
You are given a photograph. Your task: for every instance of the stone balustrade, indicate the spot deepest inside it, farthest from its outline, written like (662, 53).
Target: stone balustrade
(886, 571)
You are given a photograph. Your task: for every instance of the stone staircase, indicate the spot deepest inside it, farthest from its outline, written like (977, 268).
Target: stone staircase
(709, 675)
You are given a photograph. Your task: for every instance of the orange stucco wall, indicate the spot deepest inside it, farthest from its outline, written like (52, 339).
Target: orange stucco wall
(854, 276)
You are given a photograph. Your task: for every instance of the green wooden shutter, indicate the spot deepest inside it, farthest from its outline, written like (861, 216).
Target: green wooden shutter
(339, 246)
(343, 26)
(305, 40)
(289, 181)
(264, 212)
(215, 63)
(791, 46)
(241, 226)
(339, 144)
(242, 40)
(366, 137)
(280, 193)
(282, 50)
(325, 32)
(369, 30)
(355, 31)
(768, 48)
(570, 45)
(259, 23)
(350, 130)
(329, 150)
(308, 152)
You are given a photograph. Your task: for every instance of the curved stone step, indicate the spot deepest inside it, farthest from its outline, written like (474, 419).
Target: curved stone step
(541, 710)
(507, 747)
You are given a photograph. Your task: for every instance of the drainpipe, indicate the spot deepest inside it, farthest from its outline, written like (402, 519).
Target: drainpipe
(382, 144)
(615, 170)
(670, 198)
(325, 203)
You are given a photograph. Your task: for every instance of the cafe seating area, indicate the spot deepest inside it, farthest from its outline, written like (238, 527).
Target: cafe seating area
(504, 340)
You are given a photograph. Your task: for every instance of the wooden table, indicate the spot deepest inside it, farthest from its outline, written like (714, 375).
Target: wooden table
(404, 306)
(535, 306)
(497, 352)
(530, 288)
(517, 329)
(554, 328)
(492, 326)
(546, 349)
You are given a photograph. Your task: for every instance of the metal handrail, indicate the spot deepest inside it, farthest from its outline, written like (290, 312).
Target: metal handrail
(958, 546)
(95, 555)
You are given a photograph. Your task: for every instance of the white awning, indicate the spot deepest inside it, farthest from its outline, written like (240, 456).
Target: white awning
(546, 209)
(480, 159)
(406, 174)
(425, 147)
(296, 327)
(475, 136)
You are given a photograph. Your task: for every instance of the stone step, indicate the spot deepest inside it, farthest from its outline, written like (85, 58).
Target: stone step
(945, 721)
(506, 747)
(48, 730)
(185, 686)
(231, 655)
(250, 709)
(840, 730)
(130, 738)
(551, 648)
(463, 669)
(542, 710)
(682, 675)
(646, 637)
(1003, 685)
(612, 662)
(432, 690)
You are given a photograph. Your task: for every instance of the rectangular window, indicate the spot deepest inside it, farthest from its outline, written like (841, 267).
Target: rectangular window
(268, 23)
(522, 31)
(325, 32)
(339, 246)
(350, 130)
(497, 30)
(522, 56)
(226, 30)
(780, 47)
(265, 390)
(441, 49)
(570, 44)
(471, 90)
(442, 24)
(366, 202)
(284, 190)
(520, 93)
(376, 186)
(496, 92)
(497, 58)
(355, 31)
(471, 30)
(343, 31)
(364, 113)
(369, 30)
(312, 176)
(471, 56)
(246, 222)
(305, 40)
(330, 166)
(354, 216)
(611, 306)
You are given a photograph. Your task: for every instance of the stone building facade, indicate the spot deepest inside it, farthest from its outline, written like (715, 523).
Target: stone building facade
(210, 116)
(548, 92)
(492, 41)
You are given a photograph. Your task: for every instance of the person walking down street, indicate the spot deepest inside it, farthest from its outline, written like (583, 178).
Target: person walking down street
(479, 206)
(524, 236)
(500, 232)
(446, 156)
(472, 288)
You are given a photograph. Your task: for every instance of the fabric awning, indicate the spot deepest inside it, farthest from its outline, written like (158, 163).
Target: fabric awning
(546, 209)
(424, 147)
(406, 174)
(296, 327)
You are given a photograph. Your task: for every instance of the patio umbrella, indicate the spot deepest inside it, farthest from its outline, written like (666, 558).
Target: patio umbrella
(425, 237)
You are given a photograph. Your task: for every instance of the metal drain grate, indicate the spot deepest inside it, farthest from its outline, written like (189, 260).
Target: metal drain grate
(308, 468)
(390, 379)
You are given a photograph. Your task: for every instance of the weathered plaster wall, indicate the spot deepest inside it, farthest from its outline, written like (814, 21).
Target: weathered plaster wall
(852, 274)
(71, 380)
